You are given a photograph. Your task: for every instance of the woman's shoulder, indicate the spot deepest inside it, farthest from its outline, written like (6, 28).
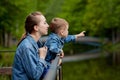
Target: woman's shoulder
(25, 44)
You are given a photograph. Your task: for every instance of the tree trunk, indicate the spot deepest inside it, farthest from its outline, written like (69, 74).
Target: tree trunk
(118, 41)
(118, 36)
(9, 39)
(113, 42)
(3, 37)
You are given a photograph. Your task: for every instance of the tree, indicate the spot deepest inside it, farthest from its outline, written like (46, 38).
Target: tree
(11, 18)
(102, 17)
(98, 18)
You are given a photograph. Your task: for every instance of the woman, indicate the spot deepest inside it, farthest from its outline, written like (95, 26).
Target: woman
(29, 61)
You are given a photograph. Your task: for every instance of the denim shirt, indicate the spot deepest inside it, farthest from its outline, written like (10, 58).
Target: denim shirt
(55, 45)
(27, 64)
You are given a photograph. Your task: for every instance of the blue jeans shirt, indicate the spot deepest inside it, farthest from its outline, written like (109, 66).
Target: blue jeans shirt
(27, 63)
(55, 45)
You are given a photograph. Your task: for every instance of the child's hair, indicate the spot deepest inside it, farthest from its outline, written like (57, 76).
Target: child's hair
(58, 24)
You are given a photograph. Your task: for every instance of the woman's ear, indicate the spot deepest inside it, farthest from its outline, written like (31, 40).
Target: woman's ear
(35, 27)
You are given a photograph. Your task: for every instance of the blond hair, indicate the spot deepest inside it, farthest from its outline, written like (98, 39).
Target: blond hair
(57, 24)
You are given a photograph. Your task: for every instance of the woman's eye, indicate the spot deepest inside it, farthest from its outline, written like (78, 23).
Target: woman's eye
(45, 22)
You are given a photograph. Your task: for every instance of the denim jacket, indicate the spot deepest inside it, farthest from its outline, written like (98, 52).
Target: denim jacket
(27, 64)
(55, 45)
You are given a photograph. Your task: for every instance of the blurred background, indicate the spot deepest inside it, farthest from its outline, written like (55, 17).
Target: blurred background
(99, 18)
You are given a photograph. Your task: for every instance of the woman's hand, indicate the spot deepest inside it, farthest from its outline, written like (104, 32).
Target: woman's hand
(43, 52)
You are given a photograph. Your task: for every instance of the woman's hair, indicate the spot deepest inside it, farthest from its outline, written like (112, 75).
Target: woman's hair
(57, 24)
(30, 22)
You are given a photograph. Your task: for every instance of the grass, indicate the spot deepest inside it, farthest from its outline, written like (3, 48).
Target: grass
(6, 59)
(96, 69)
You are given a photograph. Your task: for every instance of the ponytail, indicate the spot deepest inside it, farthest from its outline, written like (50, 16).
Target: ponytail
(22, 38)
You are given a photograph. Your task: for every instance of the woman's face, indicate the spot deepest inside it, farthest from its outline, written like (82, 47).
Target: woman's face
(42, 26)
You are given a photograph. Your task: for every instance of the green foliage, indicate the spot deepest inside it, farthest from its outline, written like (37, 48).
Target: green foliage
(73, 13)
(96, 69)
(90, 15)
(96, 17)
(101, 15)
(110, 48)
(6, 59)
(93, 16)
(13, 15)
(53, 8)
(3, 77)
(42, 5)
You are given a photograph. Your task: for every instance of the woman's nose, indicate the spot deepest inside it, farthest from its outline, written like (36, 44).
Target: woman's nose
(47, 25)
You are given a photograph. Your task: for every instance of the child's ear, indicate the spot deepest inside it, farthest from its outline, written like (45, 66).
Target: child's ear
(62, 32)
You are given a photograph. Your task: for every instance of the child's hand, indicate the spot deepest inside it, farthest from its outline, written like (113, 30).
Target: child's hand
(80, 34)
(61, 54)
(43, 52)
(60, 61)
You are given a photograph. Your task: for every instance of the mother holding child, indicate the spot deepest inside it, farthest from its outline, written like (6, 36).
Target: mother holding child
(32, 60)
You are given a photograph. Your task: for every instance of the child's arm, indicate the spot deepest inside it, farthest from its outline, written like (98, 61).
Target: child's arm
(80, 35)
(74, 37)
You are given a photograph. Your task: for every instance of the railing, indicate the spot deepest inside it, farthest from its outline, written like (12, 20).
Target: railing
(55, 71)
(6, 71)
(60, 74)
(5, 51)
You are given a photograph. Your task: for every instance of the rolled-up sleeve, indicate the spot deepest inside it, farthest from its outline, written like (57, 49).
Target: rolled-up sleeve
(69, 38)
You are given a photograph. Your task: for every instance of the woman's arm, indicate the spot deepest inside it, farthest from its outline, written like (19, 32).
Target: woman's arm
(32, 64)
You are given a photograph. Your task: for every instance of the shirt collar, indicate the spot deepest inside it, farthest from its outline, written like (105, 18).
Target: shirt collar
(53, 35)
(32, 41)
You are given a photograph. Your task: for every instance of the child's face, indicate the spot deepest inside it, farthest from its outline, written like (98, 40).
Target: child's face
(65, 32)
